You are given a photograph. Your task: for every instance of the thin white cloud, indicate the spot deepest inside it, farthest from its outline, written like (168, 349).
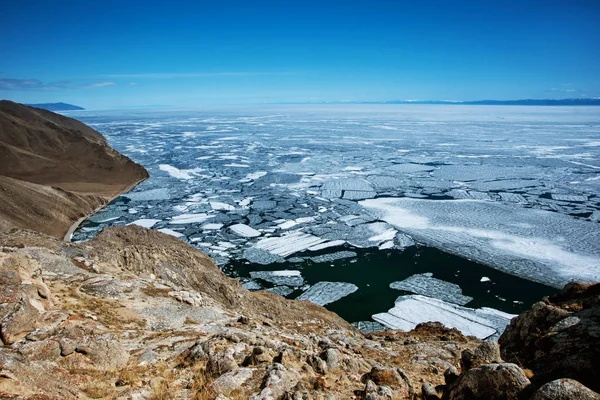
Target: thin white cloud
(100, 84)
(174, 75)
(38, 85)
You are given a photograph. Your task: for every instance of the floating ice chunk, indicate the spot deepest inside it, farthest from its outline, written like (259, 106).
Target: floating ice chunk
(569, 197)
(324, 293)
(485, 279)
(145, 222)
(386, 245)
(105, 217)
(132, 211)
(349, 188)
(385, 182)
(149, 195)
(255, 175)
(252, 285)
(235, 165)
(211, 227)
(179, 173)
(289, 243)
(285, 277)
(259, 256)
(244, 230)
(403, 241)
(218, 206)
(283, 291)
(325, 245)
(287, 224)
(384, 236)
(432, 287)
(189, 219)
(171, 232)
(340, 255)
(290, 224)
(245, 202)
(409, 311)
(369, 326)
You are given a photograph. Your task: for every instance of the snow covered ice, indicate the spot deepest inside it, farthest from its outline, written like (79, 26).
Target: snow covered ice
(432, 287)
(409, 311)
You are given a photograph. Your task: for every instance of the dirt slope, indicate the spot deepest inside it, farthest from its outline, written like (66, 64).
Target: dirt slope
(55, 170)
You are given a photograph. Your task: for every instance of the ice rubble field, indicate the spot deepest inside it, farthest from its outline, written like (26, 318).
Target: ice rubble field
(515, 188)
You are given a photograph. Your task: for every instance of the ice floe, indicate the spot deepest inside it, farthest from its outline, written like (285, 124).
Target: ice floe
(180, 173)
(146, 222)
(171, 232)
(284, 277)
(216, 205)
(189, 219)
(244, 230)
(432, 287)
(323, 293)
(409, 311)
(148, 195)
(288, 243)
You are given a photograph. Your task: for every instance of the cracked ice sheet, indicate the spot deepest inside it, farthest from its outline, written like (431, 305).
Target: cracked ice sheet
(542, 246)
(323, 293)
(428, 286)
(409, 311)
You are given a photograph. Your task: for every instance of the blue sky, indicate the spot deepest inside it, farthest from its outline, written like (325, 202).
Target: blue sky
(114, 54)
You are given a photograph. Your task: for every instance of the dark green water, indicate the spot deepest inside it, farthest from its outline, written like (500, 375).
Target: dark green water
(373, 271)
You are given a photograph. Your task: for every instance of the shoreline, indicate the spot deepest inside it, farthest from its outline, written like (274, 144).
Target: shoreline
(75, 225)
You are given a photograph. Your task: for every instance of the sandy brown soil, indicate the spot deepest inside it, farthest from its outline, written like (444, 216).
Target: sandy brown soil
(55, 170)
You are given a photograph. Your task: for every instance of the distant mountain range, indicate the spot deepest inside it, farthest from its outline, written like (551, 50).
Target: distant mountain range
(525, 102)
(56, 106)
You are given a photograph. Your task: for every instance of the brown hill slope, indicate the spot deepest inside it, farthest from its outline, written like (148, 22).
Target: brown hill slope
(55, 170)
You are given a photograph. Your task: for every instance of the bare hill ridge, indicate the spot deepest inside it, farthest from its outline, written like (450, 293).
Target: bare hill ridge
(55, 170)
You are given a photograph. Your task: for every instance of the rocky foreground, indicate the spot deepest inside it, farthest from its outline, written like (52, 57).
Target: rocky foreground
(138, 314)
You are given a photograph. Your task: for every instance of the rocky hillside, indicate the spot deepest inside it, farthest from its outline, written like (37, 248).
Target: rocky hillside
(55, 170)
(137, 314)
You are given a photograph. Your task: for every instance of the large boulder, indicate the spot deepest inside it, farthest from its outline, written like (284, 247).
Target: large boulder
(565, 389)
(489, 382)
(559, 337)
(24, 297)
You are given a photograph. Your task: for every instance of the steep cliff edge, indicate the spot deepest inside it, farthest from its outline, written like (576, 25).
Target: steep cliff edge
(55, 170)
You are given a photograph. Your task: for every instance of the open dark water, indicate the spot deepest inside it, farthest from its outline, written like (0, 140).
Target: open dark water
(373, 271)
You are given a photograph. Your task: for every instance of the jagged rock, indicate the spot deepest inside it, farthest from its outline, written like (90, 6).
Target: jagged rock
(375, 392)
(428, 392)
(23, 297)
(318, 364)
(394, 378)
(488, 382)
(559, 337)
(332, 358)
(232, 380)
(485, 353)
(278, 381)
(565, 389)
(451, 375)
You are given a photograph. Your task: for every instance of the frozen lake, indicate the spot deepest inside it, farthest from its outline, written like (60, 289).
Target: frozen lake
(512, 192)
